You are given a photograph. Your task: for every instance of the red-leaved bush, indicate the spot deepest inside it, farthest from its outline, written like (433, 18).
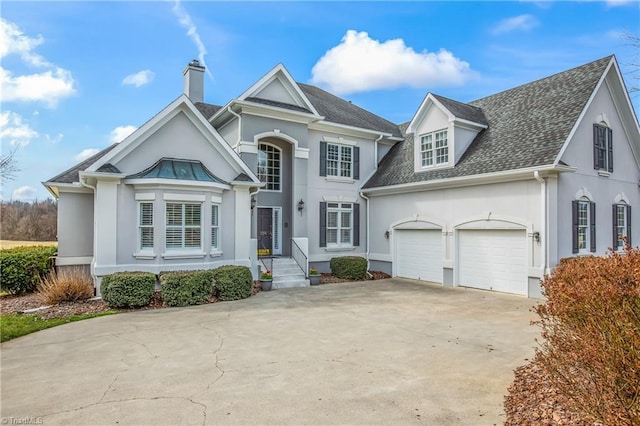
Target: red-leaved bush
(591, 335)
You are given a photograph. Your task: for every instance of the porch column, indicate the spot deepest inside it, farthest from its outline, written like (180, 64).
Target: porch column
(106, 222)
(242, 224)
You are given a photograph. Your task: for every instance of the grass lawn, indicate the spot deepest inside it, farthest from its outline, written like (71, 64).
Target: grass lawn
(7, 244)
(16, 325)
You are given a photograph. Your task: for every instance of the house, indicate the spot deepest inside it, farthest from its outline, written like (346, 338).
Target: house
(488, 194)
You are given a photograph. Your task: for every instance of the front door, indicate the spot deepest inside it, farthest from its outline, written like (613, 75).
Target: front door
(265, 231)
(269, 227)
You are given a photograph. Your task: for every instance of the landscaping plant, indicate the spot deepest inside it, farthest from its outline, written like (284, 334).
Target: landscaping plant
(184, 288)
(128, 289)
(21, 268)
(349, 267)
(233, 282)
(66, 285)
(591, 335)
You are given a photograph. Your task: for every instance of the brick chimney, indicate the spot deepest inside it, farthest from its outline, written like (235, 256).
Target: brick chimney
(194, 81)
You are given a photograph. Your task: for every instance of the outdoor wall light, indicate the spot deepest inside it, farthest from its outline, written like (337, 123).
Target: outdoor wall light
(300, 205)
(253, 203)
(536, 236)
(386, 234)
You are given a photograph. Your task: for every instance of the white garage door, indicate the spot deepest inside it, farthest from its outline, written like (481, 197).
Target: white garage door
(493, 260)
(419, 254)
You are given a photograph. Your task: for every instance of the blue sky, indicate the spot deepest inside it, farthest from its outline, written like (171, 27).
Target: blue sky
(78, 76)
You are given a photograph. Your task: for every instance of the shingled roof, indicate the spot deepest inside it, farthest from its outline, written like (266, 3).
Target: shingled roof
(73, 174)
(337, 110)
(528, 126)
(208, 110)
(464, 111)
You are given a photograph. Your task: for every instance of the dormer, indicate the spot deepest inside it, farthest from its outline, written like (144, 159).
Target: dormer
(442, 131)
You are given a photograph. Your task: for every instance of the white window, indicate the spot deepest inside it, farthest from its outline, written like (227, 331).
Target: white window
(145, 225)
(183, 226)
(583, 226)
(339, 160)
(339, 225)
(215, 228)
(269, 161)
(620, 225)
(434, 149)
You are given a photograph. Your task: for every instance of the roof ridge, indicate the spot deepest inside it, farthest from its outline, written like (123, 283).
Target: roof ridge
(608, 58)
(456, 101)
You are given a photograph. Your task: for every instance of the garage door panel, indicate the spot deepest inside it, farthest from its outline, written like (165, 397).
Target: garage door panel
(493, 260)
(419, 254)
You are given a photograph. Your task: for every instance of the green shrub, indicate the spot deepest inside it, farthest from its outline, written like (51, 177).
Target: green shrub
(184, 288)
(21, 268)
(591, 335)
(349, 267)
(233, 282)
(128, 289)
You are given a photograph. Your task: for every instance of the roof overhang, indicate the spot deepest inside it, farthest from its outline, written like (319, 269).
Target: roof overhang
(346, 130)
(471, 180)
(430, 101)
(55, 188)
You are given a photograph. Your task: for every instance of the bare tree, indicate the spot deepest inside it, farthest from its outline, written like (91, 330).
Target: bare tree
(8, 165)
(633, 81)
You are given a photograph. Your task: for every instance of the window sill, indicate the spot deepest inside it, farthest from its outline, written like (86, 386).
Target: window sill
(339, 179)
(604, 173)
(330, 249)
(184, 255)
(144, 255)
(216, 253)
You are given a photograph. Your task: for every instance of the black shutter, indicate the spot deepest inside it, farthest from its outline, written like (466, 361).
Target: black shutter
(615, 226)
(356, 225)
(610, 149)
(574, 224)
(356, 163)
(596, 153)
(323, 160)
(629, 225)
(592, 224)
(323, 224)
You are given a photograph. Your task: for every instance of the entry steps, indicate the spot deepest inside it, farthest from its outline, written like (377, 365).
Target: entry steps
(286, 273)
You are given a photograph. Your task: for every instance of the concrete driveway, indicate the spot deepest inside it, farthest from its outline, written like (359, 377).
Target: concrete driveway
(384, 352)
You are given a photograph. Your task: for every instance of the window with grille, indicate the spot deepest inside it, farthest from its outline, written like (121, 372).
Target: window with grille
(145, 225)
(215, 227)
(183, 226)
(339, 160)
(339, 224)
(434, 149)
(269, 162)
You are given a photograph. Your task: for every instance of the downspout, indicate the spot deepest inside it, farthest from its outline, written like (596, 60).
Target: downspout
(367, 224)
(375, 145)
(95, 243)
(543, 221)
(235, 147)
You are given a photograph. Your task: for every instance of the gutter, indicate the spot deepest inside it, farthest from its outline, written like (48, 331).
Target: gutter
(543, 221)
(375, 160)
(367, 224)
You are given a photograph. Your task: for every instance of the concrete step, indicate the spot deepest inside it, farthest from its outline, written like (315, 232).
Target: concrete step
(281, 278)
(287, 271)
(290, 283)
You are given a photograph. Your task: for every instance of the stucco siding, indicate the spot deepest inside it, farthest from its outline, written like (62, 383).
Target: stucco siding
(75, 224)
(254, 125)
(603, 189)
(179, 138)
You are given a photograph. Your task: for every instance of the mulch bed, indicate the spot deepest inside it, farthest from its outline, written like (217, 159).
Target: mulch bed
(327, 278)
(532, 400)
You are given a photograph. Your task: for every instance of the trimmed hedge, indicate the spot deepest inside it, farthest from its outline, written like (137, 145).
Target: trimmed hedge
(128, 289)
(349, 267)
(233, 282)
(185, 288)
(21, 268)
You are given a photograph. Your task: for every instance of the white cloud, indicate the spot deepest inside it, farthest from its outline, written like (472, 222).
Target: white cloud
(520, 22)
(192, 31)
(24, 193)
(48, 87)
(360, 63)
(14, 131)
(120, 133)
(139, 79)
(53, 139)
(86, 153)
(614, 3)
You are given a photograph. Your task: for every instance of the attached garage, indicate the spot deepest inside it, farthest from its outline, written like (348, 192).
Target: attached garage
(418, 254)
(493, 260)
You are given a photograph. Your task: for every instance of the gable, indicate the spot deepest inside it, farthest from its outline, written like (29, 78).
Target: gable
(605, 108)
(278, 86)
